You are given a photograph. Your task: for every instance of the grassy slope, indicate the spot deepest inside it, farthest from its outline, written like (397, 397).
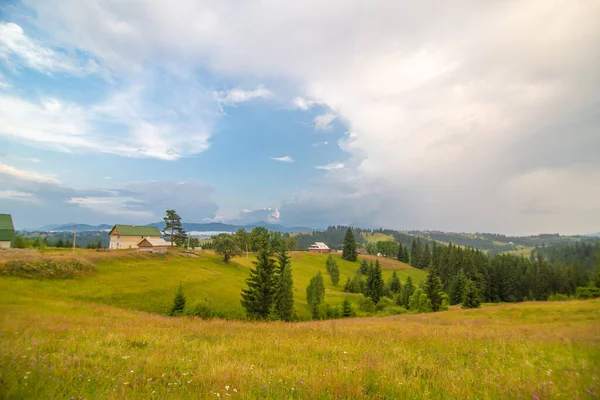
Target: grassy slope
(376, 237)
(57, 348)
(148, 282)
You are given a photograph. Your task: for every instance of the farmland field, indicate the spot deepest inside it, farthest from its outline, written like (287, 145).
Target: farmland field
(101, 336)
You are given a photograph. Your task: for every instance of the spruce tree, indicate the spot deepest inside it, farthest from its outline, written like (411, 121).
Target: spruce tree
(364, 267)
(347, 309)
(375, 284)
(407, 290)
(470, 296)
(349, 251)
(415, 254)
(348, 286)
(457, 287)
(395, 284)
(433, 288)
(425, 257)
(284, 293)
(257, 299)
(400, 256)
(315, 293)
(178, 301)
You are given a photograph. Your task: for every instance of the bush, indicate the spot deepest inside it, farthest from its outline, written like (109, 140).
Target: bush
(558, 297)
(366, 304)
(394, 310)
(202, 309)
(587, 292)
(384, 303)
(48, 269)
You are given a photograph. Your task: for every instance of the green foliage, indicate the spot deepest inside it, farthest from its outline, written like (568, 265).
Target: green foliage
(226, 246)
(407, 291)
(203, 309)
(558, 297)
(21, 242)
(347, 310)
(470, 295)
(395, 285)
(48, 268)
(419, 302)
(366, 304)
(387, 248)
(587, 292)
(258, 298)
(374, 286)
(315, 293)
(394, 310)
(349, 251)
(284, 292)
(383, 303)
(178, 302)
(333, 270)
(173, 227)
(364, 267)
(433, 288)
(457, 287)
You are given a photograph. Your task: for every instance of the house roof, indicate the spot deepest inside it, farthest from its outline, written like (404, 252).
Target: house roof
(155, 242)
(7, 229)
(134, 230)
(319, 245)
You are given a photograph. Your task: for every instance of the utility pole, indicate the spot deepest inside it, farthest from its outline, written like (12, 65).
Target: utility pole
(74, 236)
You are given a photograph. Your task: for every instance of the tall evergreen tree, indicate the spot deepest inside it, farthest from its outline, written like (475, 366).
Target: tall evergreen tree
(173, 227)
(315, 293)
(457, 287)
(400, 256)
(257, 299)
(349, 251)
(415, 253)
(425, 257)
(284, 293)
(375, 284)
(334, 272)
(364, 267)
(395, 285)
(471, 295)
(407, 290)
(406, 258)
(433, 288)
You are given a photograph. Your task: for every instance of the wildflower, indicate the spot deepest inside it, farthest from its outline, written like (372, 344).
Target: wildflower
(131, 371)
(125, 357)
(227, 387)
(190, 381)
(126, 383)
(252, 367)
(235, 390)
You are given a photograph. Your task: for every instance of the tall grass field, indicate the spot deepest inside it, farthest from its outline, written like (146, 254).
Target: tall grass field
(103, 335)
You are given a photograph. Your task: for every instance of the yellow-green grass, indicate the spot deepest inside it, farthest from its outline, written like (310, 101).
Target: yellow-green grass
(376, 237)
(56, 348)
(146, 282)
(521, 251)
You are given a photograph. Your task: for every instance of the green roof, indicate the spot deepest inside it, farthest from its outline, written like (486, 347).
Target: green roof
(133, 230)
(7, 229)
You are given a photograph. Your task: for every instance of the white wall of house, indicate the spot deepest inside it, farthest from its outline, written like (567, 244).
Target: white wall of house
(4, 244)
(125, 242)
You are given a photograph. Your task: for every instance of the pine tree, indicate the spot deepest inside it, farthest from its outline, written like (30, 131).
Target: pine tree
(348, 286)
(347, 309)
(328, 264)
(457, 287)
(334, 273)
(407, 290)
(315, 293)
(406, 254)
(470, 296)
(257, 299)
(425, 257)
(173, 226)
(364, 267)
(284, 293)
(415, 253)
(178, 301)
(395, 285)
(375, 284)
(433, 288)
(349, 251)
(400, 256)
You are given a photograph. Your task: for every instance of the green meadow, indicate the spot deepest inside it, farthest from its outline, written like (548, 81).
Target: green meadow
(104, 335)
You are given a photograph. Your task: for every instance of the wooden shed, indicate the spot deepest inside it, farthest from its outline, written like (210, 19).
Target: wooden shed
(153, 245)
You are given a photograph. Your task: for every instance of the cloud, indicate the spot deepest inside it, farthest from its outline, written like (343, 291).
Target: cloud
(30, 176)
(286, 159)
(234, 96)
(447, 105)
(17, 195)
(23, 159)
(17, 49)
(303, 104)
(266, 214)
(323, 122)
(330, 166)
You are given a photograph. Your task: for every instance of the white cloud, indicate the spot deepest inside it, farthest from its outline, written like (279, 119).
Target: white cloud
(235, 96)
(23, 159)
(286, 159)
(247, 216)
(331, 166)
(118, 206)
(30, 176)
(303, 104)
(323, 122)
(17, 195)
(17, 49)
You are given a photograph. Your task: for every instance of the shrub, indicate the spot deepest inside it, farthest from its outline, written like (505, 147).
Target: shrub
(48, 268)
(587, 292)
(202, 309)
(347, 310)
(366, 304)
(558, 297)
(384, 303)
(394, 310)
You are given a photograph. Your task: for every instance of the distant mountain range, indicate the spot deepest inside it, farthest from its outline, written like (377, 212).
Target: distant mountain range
(188, 226)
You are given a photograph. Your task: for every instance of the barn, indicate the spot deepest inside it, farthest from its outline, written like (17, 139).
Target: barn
(129, 236)
(153, 245)
(7, 231)
(318, 247)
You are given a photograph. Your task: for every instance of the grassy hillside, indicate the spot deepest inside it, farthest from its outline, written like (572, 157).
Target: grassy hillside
(60, 348)
(376, 237)
(147, 282)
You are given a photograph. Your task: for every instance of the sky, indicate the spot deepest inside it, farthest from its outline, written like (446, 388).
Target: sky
(465, 116)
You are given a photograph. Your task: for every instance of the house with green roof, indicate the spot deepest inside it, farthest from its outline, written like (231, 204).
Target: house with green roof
(129, 236)
(7, 231)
